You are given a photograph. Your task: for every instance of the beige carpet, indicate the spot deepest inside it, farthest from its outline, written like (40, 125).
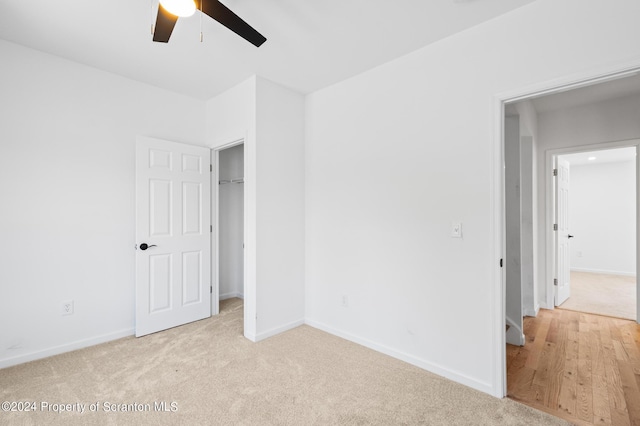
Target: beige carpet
(214, 376)
(611, 295)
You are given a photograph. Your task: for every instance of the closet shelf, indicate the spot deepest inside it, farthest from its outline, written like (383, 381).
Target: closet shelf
(223, 182)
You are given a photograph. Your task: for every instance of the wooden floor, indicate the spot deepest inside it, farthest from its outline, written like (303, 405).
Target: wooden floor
(581, 367)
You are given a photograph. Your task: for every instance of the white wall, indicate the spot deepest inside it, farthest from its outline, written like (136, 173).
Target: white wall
(520, 136)
(232, 115)
(528, 171)
(528, 118)
(67, 167)
(513, 228)
(602, 217)
(526, 225)
(608, 121)
(271, 119)
(394, 155)
(231, 223)
(281, 209)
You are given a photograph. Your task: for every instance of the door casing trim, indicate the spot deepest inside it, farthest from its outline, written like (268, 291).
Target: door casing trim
(550, 251)
(497, 195)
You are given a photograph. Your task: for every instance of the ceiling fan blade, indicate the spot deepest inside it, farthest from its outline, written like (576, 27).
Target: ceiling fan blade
(226, 17)
(165, 22)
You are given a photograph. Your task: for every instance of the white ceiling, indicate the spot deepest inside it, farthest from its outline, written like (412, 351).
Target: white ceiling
(310, 44)
(612, 89)
(616, 88)
(600, 157)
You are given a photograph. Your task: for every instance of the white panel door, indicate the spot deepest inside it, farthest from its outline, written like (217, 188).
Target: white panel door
(563, 266)
(173, 252)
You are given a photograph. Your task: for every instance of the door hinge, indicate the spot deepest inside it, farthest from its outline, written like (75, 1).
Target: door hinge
(210, 228)
(555, 226)
(555, 172)
(211, 290)
(501, 263)
(211, 167)
(555, 282)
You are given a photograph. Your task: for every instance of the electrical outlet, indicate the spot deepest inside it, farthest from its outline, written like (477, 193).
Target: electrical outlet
(345, 300)
(579, 254)
(66, 307)
(456, 230)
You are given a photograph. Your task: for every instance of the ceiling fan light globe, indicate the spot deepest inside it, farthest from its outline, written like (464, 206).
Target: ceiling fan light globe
(181, 8)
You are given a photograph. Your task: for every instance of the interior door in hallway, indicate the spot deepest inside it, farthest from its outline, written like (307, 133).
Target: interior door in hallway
(173, 239)
(562, 236)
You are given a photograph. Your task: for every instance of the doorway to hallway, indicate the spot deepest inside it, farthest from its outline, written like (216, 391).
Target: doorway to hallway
(581, 116)
(595, 211)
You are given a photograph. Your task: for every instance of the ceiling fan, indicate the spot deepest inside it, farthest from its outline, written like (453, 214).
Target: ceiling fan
(170, 10)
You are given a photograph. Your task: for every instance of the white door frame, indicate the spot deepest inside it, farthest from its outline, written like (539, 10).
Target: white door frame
(249, 212)
(215, 221)
(497, 196)
(550, 156)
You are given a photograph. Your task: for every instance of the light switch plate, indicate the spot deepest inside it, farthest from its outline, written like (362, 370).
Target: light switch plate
(456, 230)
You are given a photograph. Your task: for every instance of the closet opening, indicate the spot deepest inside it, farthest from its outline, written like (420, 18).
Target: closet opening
(228, 226)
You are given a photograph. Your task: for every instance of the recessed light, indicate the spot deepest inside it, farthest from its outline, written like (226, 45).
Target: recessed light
(591, 158)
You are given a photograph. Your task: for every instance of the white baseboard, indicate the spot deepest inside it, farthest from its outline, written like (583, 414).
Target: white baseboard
(604, 271)
(544, 305)
(226, 296)
(532, 312)
(413, 360)
(67, 347)
(514, 335)
(277, 330)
